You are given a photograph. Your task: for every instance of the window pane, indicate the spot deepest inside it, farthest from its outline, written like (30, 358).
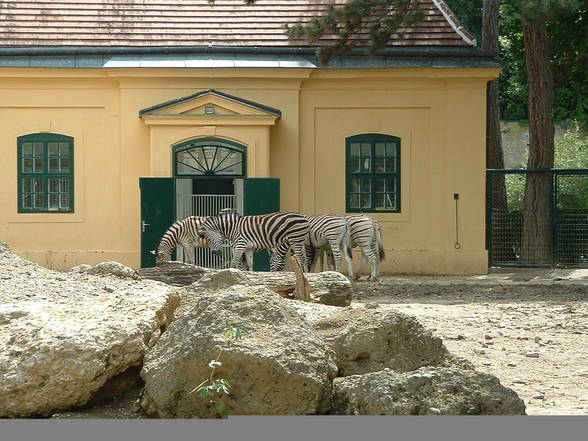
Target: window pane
(379, 165)
(27, 149)
(366, 149)
(366, 165)
(53, 149)
(27, 165)
(53, 165)
(229, 168)
(39, 200)
(380, 150)
(379, 201)
(366, 201)
(354, 203)
(366, 186)
(63, 148)
(354, 165)
(64, 202)
(53, 188)
(390, 165)
(355, 185)
(390, 185)
(380, 185)
(53, 201)
(64, 165)
(38, 165)
(27, 201)
(27, 186)
(390, 201)
(64, 185)
(38, 185)
(354, 149)
(391, 149)
(38, 148)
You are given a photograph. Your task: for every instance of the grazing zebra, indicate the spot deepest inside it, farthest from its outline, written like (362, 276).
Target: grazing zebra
(329, 230)
(367, 235)
(185, 233)
(276, 232)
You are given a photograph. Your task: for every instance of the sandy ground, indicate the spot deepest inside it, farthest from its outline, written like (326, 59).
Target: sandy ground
(527, 327)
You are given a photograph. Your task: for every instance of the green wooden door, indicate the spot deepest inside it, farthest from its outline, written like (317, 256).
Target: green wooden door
(262, 196)
(157, 214)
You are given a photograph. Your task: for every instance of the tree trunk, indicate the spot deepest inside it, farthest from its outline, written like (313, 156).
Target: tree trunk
(536, 223)
(496, 198)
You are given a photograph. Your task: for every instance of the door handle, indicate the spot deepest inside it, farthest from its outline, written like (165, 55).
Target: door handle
(143, 225)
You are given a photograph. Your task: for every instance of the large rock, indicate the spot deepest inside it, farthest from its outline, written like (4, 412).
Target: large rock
(426, 391)
(281, 366)
(63, 335)
(371, 338)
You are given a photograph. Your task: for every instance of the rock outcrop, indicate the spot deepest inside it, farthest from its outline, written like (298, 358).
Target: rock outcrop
(281, 366)
(63, 335)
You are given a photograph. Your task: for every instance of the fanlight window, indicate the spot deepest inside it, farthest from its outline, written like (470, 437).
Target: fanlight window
(210, 157)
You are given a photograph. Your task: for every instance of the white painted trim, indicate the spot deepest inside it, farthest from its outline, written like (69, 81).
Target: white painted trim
(450, 17)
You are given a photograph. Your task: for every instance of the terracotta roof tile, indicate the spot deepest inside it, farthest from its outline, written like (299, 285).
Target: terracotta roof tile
(159, 23)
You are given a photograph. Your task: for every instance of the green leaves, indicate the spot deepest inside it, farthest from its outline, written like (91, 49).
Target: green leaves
(349, 24)
(233, 333)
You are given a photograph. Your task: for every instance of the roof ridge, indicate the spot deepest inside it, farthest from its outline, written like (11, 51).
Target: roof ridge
(455, 23)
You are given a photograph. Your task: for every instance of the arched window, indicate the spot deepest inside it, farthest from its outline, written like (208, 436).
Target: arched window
(373, 173)
(210, 157)
(45, 173)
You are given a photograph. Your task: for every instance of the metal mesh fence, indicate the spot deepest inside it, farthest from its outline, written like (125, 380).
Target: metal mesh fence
(546, 225)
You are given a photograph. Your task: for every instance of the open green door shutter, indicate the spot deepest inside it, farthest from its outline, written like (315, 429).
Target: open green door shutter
(262, 196)
(157, 214)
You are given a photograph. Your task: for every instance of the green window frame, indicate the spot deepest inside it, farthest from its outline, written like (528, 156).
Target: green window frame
(210, 157)
(45, 173)
(372, 163)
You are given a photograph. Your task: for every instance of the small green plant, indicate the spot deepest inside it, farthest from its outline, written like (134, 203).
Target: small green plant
(212, 388)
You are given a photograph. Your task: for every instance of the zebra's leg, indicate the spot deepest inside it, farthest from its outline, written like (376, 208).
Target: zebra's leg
(365, 252)
(336, 250)
(237, 256)
(349, 259)
(189, 249)
(375, 263)
(298, 250)
(249, 259)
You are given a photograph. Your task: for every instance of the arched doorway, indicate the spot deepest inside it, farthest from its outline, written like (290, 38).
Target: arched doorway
(209, 176)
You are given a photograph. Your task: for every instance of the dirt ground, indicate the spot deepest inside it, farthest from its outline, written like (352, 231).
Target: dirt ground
(527, 327)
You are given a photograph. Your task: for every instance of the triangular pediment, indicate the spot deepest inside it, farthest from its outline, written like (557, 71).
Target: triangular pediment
(210, 104)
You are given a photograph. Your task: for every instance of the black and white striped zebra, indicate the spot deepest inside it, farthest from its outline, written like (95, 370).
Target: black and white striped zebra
(366, 233)
(276, 232)
(185, 233)
(329, 230)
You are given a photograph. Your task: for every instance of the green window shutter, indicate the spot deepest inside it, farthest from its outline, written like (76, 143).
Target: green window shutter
(45, 173)
(372, 173)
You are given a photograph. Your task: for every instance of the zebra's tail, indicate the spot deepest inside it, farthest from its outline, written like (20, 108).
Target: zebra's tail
(380, 240)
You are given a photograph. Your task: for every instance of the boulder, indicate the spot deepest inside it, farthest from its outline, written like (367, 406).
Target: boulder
(107, 268)
(280, 366)
(63, 335)
(372, 338)
(426, 391)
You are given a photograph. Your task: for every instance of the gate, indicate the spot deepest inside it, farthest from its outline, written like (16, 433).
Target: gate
(207, 205)
(554, 233)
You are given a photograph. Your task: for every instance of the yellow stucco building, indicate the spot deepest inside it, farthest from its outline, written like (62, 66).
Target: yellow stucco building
(86, 111)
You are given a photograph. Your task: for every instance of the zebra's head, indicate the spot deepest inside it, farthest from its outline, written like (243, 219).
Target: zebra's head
(161, 255)
(216, 229)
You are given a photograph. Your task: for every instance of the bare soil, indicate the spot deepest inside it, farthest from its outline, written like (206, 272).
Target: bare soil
(527, 327)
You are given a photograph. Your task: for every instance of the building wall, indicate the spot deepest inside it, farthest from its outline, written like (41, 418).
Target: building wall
(438, 113)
